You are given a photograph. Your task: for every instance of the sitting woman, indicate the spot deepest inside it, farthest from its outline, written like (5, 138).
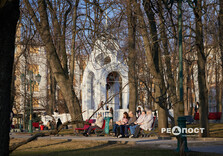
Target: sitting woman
(98, 124)
(124, 121)
(146, 124)
(138, 122)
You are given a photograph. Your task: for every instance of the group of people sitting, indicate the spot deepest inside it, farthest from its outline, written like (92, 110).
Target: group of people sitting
(129, 121)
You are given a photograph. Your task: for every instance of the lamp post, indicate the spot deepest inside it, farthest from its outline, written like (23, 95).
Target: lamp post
(31, 82)
(181, 119)
(181, 107)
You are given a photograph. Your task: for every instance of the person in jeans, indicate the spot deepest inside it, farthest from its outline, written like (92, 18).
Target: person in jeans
(146, 124)
(138, 122)
(98, 124)
(124, 128)
(124, 121)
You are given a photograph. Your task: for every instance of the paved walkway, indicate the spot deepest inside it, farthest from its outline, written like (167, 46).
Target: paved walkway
(213, 145)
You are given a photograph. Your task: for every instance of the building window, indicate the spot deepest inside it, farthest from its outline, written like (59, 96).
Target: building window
(34, 68)
(35, 102)
(36, 87)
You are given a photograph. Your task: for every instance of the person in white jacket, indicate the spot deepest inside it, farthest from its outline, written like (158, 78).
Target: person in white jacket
(148, 121)
(98, 124)
(146, 124)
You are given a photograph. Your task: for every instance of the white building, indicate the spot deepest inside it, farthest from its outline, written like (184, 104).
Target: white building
(105, 75)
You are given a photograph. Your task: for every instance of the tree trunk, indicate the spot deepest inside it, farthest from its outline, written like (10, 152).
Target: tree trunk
(132, 74)
(203, 91)
(73, 50)
(221, 49)
(217, 82)
(160, 87)
(170, 79)
(52, 94)
(9, 15)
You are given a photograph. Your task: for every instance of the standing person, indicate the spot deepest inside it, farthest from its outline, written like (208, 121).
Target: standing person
(53, 124)
(146, 124)
(139, 121)
(110, 112)
(98, 124)
(138, 112)
(59, 123)
(124, 128)
(196, 109)
(48, 125)
(124, 121)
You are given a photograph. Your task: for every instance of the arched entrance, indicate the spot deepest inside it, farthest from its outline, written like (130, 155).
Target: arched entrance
(114, 87)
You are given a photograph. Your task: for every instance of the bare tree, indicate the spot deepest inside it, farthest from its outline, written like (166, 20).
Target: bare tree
(57, 59)
(132, 56)
(203, 91)
(221, 47)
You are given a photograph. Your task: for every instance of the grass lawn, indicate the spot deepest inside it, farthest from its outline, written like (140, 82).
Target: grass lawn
(216, 129)
(65, 148)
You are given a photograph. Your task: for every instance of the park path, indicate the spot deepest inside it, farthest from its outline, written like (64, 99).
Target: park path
(212, 145)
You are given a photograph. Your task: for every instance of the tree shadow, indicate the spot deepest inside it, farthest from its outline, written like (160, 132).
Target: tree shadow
(68, 140)
(84, 149)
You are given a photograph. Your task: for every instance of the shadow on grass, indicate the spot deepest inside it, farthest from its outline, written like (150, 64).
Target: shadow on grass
(84, 150)
(47, 145)
(118, 149)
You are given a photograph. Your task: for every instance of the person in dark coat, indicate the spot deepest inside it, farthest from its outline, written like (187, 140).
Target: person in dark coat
(196, 109)
(59, 123)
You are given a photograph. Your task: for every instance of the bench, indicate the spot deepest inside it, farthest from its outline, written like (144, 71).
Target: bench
(35, 125)
(100, 131)
(189, 119)
(211, 116)
(78, 130)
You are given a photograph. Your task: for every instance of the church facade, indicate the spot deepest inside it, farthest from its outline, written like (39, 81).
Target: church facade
(105, 79)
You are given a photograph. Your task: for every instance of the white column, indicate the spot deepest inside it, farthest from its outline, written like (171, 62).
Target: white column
(103, 91)
(125, 93)
(97, 97)
(84, 101)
